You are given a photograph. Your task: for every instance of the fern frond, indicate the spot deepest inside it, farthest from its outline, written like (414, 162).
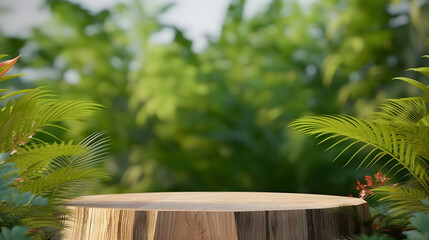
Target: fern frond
(66, 110)
(4, 78)
(415, 83)
(381, 137)
(403, 200)
(410, 119)
(14, 93)
(402, 112)
(365, 237)
(17, 207)
(58, 171)
(35, 110)
(33, 216)
(62, 184)
(97, 149)
(32, 158)
(422, 70)
(67, 169)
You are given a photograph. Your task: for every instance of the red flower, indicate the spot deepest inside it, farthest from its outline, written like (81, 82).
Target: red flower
(8, 64)
(18, 181)
(380, 178)
(365, 190)
(359, 185)
(368, 180)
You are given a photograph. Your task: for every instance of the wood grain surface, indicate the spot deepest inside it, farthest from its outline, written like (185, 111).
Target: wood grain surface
(214, 215)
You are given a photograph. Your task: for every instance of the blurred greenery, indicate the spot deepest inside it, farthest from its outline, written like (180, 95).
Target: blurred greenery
(216, 119)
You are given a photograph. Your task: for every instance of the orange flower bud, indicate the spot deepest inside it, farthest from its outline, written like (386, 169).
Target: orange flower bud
(9, 64)
(19, 180)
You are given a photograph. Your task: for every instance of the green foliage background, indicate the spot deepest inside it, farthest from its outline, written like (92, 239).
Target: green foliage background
(216, 119)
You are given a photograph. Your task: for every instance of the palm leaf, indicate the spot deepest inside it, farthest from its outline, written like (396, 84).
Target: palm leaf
(67, 175)
(4, 78)
(402, 111)
(415, 83)
(35, 110)
(66, 110)
(370, 134)
(97, 149)
(403, 200)
(58, 171)
(32, 158)
(409, 120)
(14, 93)
(396, 136)
(64, 183)
(422, 70)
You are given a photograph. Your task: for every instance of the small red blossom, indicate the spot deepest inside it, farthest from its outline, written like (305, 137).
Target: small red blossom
(359, 185)
(365, 190)
(380, 178)
(368, 180)
(20, 180)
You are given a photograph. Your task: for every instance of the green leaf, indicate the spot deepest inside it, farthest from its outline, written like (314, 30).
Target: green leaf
(4, 78)
(380, 134)
(63, 184)
(419, 221)
(16, 233)
(16, 93)
(402, 200)
(417, 84)
(7, 169)
(97, 149)
(331, 64)
(3, 157)
(32, 157)
(422, 70)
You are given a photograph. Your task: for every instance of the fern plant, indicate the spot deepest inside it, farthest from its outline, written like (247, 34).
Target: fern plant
(20, 212)
(55, 171)
(395, 138)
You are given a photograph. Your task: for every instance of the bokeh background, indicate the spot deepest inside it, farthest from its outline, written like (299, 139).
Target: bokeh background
(198, 93)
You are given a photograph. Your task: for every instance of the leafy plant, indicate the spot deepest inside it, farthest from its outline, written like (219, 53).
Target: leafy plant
(395, 138)
(419, 221)
(20, 212)
(213, 119)
(37, 175)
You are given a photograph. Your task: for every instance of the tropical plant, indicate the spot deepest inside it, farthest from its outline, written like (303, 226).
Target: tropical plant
(395, 138)
(213, 119)
(419, 221)
(20, 212)
(52, 171)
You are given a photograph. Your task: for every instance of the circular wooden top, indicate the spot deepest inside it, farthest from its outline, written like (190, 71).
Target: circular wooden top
(215, 201)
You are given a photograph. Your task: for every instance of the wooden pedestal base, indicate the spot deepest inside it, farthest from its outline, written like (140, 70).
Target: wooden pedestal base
(214, 216)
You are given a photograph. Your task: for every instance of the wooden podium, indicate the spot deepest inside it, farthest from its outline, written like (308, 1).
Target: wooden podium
(214, 215)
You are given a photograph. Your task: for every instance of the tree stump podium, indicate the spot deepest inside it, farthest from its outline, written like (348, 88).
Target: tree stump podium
(214, 215)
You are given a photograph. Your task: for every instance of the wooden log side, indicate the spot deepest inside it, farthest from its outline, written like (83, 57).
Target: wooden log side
(165, 216)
